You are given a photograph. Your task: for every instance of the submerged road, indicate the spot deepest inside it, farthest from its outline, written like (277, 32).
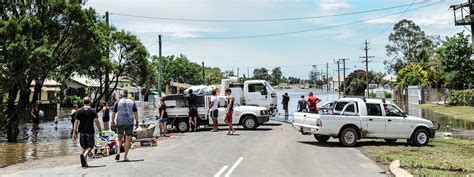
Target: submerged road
(275, 149)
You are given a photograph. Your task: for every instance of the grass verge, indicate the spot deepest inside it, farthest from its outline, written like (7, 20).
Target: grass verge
(442, 157)
(459, 112)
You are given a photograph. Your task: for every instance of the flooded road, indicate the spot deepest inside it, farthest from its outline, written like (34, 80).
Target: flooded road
(46, 141)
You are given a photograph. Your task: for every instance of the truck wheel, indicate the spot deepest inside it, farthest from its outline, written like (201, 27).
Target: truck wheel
(420, 137)
(348, 137)
(250, 122)
(390, 141)
(182, 126)
(322, 138)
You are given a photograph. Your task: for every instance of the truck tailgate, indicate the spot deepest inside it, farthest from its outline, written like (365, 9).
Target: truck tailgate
(305, 119)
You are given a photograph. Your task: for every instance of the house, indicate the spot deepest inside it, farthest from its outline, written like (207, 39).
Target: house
(336, 83)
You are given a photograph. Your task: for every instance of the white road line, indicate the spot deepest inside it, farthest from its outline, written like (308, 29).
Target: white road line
(233, 167)
(218, 174)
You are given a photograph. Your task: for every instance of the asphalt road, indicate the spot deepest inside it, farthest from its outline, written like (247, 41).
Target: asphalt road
(272, 150)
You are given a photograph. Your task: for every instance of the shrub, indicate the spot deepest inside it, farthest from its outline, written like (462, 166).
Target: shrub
(71, 100)
(461, 97)
(372, 95)
(388, 94)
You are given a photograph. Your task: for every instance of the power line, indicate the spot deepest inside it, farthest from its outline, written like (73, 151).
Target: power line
(314, 29)
(388, 26)
(266, 20)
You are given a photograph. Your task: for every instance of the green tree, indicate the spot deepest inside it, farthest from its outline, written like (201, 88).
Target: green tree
(261, 73)
(408, 44)
(355, 83)
(276, 76)
(229, 73)
(412, 74)
(458, 66)
(213, 75)
(294, 80)
(38, 39)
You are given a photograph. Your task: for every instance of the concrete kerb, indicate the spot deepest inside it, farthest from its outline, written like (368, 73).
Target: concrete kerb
(397, 171)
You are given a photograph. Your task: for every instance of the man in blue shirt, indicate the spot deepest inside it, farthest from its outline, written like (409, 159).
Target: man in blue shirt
(125, 110)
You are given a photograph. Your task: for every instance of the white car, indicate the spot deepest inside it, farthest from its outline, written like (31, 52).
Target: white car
(351, 119)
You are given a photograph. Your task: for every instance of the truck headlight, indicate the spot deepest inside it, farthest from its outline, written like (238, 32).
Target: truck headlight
(318, 123)
(264, 112)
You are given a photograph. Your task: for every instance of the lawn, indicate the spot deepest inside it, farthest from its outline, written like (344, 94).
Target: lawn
(442, 157)
(458, 112)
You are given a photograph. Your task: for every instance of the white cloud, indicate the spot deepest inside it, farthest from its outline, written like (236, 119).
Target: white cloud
(345, 34)
(170, 29)
(332, 5)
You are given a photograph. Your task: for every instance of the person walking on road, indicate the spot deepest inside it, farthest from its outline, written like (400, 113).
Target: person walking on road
(73, 117)
(230, 111)
(163, 117)
(193, 113)
(302, 105)
(35, 113)
(312, 101)
(285, 101)
(213, 111)
(105, 115)
(125, 110)
(84, 124)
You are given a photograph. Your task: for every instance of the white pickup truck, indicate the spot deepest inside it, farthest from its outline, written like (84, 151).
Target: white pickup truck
(248, 116)
(351, 119)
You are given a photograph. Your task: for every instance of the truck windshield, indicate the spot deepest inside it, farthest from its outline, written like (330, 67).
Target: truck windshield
(269, 87)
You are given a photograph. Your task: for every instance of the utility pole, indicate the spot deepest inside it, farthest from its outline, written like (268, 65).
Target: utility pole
(327, 77)
(107, 71)
(465, 20)
(344, 73)
(203, 73)
(248, 72)
(160, 83)
(366, 61)
(238, 72)
(338, 79)
(313, 75)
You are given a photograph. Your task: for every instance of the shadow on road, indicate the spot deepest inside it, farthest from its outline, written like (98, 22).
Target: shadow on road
(271, 124)
(96, 166)
(359, 144)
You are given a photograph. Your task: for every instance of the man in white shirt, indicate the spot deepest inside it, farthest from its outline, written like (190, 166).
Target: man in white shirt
(213, 111)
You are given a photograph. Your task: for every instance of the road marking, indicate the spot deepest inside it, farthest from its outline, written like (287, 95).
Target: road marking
(233, 167)
(221, 171)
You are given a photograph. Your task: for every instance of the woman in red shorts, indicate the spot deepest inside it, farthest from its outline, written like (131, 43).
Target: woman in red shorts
(230, 111)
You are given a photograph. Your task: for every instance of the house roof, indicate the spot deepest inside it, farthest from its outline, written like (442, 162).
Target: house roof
(47, 83)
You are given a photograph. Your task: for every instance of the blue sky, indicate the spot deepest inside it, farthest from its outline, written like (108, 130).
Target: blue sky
(295, 53)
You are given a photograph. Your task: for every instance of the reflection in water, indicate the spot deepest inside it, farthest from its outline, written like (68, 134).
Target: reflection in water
(46, 141)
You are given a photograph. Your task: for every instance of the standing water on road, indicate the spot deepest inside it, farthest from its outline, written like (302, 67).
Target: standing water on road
(45, 141)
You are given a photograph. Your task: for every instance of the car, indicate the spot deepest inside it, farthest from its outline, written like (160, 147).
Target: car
(351, 119)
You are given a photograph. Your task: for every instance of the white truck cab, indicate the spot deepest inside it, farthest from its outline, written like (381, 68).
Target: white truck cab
(252, 93)
(351, 119)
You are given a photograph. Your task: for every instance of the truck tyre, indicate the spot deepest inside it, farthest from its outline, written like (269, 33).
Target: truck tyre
(348, 137)
(322, 138)
(421, 137)
(390, 141)
(182, 126)
(250, 123)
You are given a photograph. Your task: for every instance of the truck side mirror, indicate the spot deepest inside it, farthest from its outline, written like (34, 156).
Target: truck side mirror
(263, 92)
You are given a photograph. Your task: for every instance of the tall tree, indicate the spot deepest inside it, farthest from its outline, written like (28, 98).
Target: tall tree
(261, 73)
(276, 76)
(408, 44)
(38, 38)
(355, 83)
(459, 68)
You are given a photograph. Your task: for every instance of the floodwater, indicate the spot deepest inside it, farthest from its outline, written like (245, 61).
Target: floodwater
(45, 141)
